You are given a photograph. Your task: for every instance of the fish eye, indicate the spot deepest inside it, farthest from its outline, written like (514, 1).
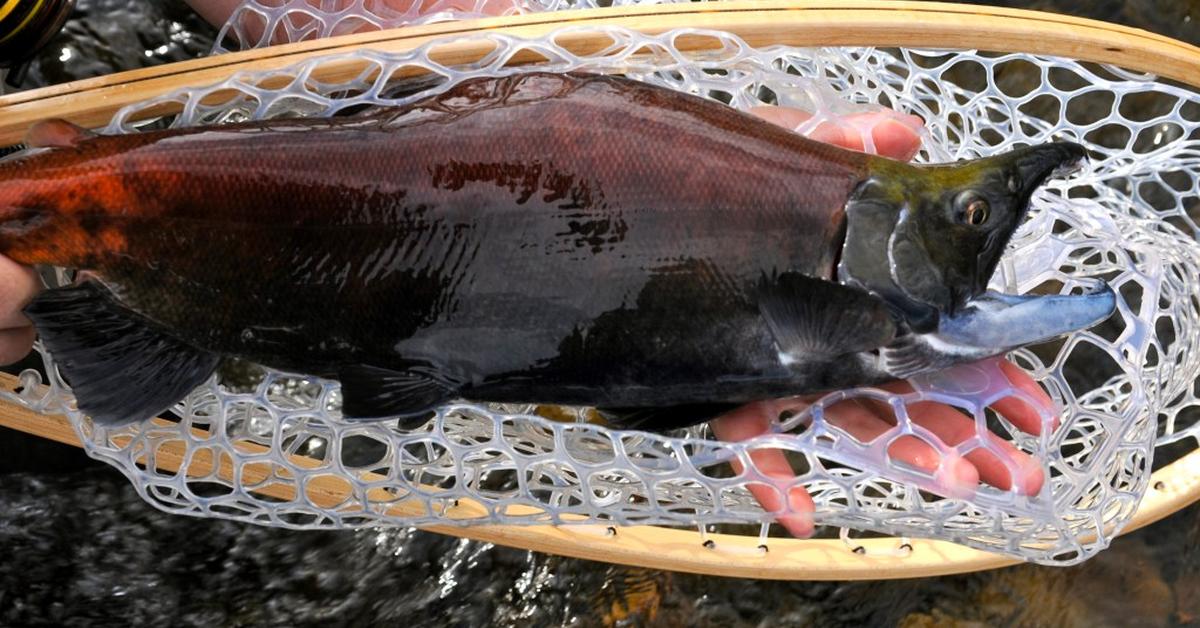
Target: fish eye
(977, 212)
(971, 209)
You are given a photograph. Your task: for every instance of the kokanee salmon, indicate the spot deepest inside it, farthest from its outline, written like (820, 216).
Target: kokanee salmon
(539, 238)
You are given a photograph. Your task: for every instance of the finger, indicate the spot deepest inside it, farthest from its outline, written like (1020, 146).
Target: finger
(1018, 411)
(864, 422)
(895, 139)
(498, 7)
(18, 285)
(215, 12)
(792, 118)
(953, 428)
(893, 134)
(786, 117)
(15, 344)
(484, 7)
(754, 420)
(958, 476)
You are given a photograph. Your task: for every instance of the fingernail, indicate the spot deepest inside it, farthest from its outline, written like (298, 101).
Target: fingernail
(799, 523)
(1033, 476)
(900, 136)
(911, 121)
(959, 477)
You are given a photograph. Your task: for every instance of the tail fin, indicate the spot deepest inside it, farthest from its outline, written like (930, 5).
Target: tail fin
(122, 367)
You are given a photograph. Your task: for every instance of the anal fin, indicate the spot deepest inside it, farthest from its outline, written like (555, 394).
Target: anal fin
(122, 367)
(410, 395)
(822, 319)
(660, 419)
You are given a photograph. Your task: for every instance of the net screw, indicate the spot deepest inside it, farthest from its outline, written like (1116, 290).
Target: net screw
(610, 531)
(860, 550)
(1160, 485)
(763, 548)
(907, 547)
(710, 544)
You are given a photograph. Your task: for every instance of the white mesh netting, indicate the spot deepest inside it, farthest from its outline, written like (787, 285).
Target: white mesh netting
(270, 448)
(258, 23)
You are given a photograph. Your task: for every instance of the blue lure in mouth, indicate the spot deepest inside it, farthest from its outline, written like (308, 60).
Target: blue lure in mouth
(994, 323)
(1001, 322)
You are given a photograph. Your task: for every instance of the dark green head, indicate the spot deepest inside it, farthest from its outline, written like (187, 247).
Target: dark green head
(928, 238)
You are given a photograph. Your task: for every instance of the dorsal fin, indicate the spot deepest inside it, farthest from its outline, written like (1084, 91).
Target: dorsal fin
(56, 133)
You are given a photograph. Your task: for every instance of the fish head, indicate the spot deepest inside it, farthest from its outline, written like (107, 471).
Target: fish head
(927, 239)
(933, 235)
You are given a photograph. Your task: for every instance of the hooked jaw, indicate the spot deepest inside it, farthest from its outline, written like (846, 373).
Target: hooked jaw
(1035, 164)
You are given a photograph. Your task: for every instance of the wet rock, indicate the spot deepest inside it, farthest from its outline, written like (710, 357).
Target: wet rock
(1122, 586)
(1187, 584)
(937, 619)
(106, 36)
(630, 596)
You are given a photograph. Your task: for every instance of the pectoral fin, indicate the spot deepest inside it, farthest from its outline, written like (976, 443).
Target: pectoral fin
(410, 395)
(122, 367)
(813, 318)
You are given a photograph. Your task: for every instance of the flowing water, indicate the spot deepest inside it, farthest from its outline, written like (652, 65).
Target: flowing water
(80, 548)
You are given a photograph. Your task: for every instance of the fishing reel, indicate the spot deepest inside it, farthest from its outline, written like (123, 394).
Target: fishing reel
(27, 26)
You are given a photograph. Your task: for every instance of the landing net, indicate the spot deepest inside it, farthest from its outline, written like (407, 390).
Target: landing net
(270, 448)
(259, 23)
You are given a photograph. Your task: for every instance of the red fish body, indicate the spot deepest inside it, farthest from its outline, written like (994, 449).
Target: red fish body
(537, 238)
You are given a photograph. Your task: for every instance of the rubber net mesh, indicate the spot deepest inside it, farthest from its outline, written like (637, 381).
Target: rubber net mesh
(270, 448)
(258, 23)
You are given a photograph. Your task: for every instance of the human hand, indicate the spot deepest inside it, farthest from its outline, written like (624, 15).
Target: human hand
(896, 136)
(18, 285)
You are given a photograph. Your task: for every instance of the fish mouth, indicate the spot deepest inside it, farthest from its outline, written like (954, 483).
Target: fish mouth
(993, 323)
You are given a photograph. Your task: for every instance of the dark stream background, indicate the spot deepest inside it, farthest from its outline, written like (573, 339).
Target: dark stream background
(79, 548)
